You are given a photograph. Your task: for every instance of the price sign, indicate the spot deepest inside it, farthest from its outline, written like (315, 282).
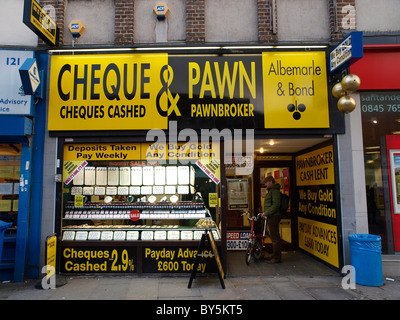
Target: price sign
(100, 259)
(134, 215)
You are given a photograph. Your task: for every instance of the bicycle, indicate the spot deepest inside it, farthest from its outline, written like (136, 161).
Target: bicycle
(255, 246)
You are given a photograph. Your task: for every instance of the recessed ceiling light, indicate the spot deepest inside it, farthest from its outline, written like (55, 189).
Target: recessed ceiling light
(373, 147)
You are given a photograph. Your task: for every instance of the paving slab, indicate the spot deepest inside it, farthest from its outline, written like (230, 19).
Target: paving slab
(298, 277)
(177, 288)
(287, 290)
(143, 289)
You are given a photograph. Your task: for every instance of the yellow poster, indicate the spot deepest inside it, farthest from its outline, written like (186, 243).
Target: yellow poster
(205, 155)
(108, 92)
(78, 201)
(51, 246)
(295, 90)
(315, 167)
(181, 151)
(5, 205)
(213, 199)
(101, 151)
(72, 168)
(320, 239)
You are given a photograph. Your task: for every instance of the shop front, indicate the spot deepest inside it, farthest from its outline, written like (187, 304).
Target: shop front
(380, 105)
(21, 151)
(155, 149)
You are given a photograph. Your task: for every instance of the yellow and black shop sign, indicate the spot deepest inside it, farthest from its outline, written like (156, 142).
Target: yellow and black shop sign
(319, 239)
(37, 19)
(146, 91)
(316, 167)
(295, 90)
(317, 206)
(106, 92)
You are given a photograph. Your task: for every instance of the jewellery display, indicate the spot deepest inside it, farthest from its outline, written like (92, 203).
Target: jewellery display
(158, 195)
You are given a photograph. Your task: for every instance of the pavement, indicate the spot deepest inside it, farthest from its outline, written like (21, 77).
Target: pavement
(298, 277)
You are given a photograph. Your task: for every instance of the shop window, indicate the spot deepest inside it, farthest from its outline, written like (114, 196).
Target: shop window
(380, 112)
(106, 197)
(10, 161)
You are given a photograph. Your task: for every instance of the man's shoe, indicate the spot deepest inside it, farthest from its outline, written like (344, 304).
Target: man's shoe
(273, 261)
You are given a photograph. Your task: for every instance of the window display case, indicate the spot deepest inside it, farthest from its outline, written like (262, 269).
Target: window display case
(132, 202)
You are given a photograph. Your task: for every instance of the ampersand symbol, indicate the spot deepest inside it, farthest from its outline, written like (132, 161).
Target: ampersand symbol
(280, 91)
(166, 76)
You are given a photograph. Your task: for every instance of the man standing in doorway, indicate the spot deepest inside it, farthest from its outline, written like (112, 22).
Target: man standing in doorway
(272, 204)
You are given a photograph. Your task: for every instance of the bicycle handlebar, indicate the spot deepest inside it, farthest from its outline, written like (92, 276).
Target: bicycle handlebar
(255, 218)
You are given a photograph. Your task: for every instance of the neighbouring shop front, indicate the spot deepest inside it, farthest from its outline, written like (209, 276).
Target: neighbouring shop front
(156, 148)
(22, 126)
(380, 106)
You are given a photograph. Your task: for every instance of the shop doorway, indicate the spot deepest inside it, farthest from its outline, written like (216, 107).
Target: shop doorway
(282, 171)
(274, 157)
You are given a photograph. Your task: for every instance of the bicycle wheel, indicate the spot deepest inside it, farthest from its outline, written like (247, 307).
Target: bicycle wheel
(257, 250)
(249, 252)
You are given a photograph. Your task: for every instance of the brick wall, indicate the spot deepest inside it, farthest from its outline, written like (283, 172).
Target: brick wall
(124, 21)
(265, 34)
(336, 25)
(195, 21)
